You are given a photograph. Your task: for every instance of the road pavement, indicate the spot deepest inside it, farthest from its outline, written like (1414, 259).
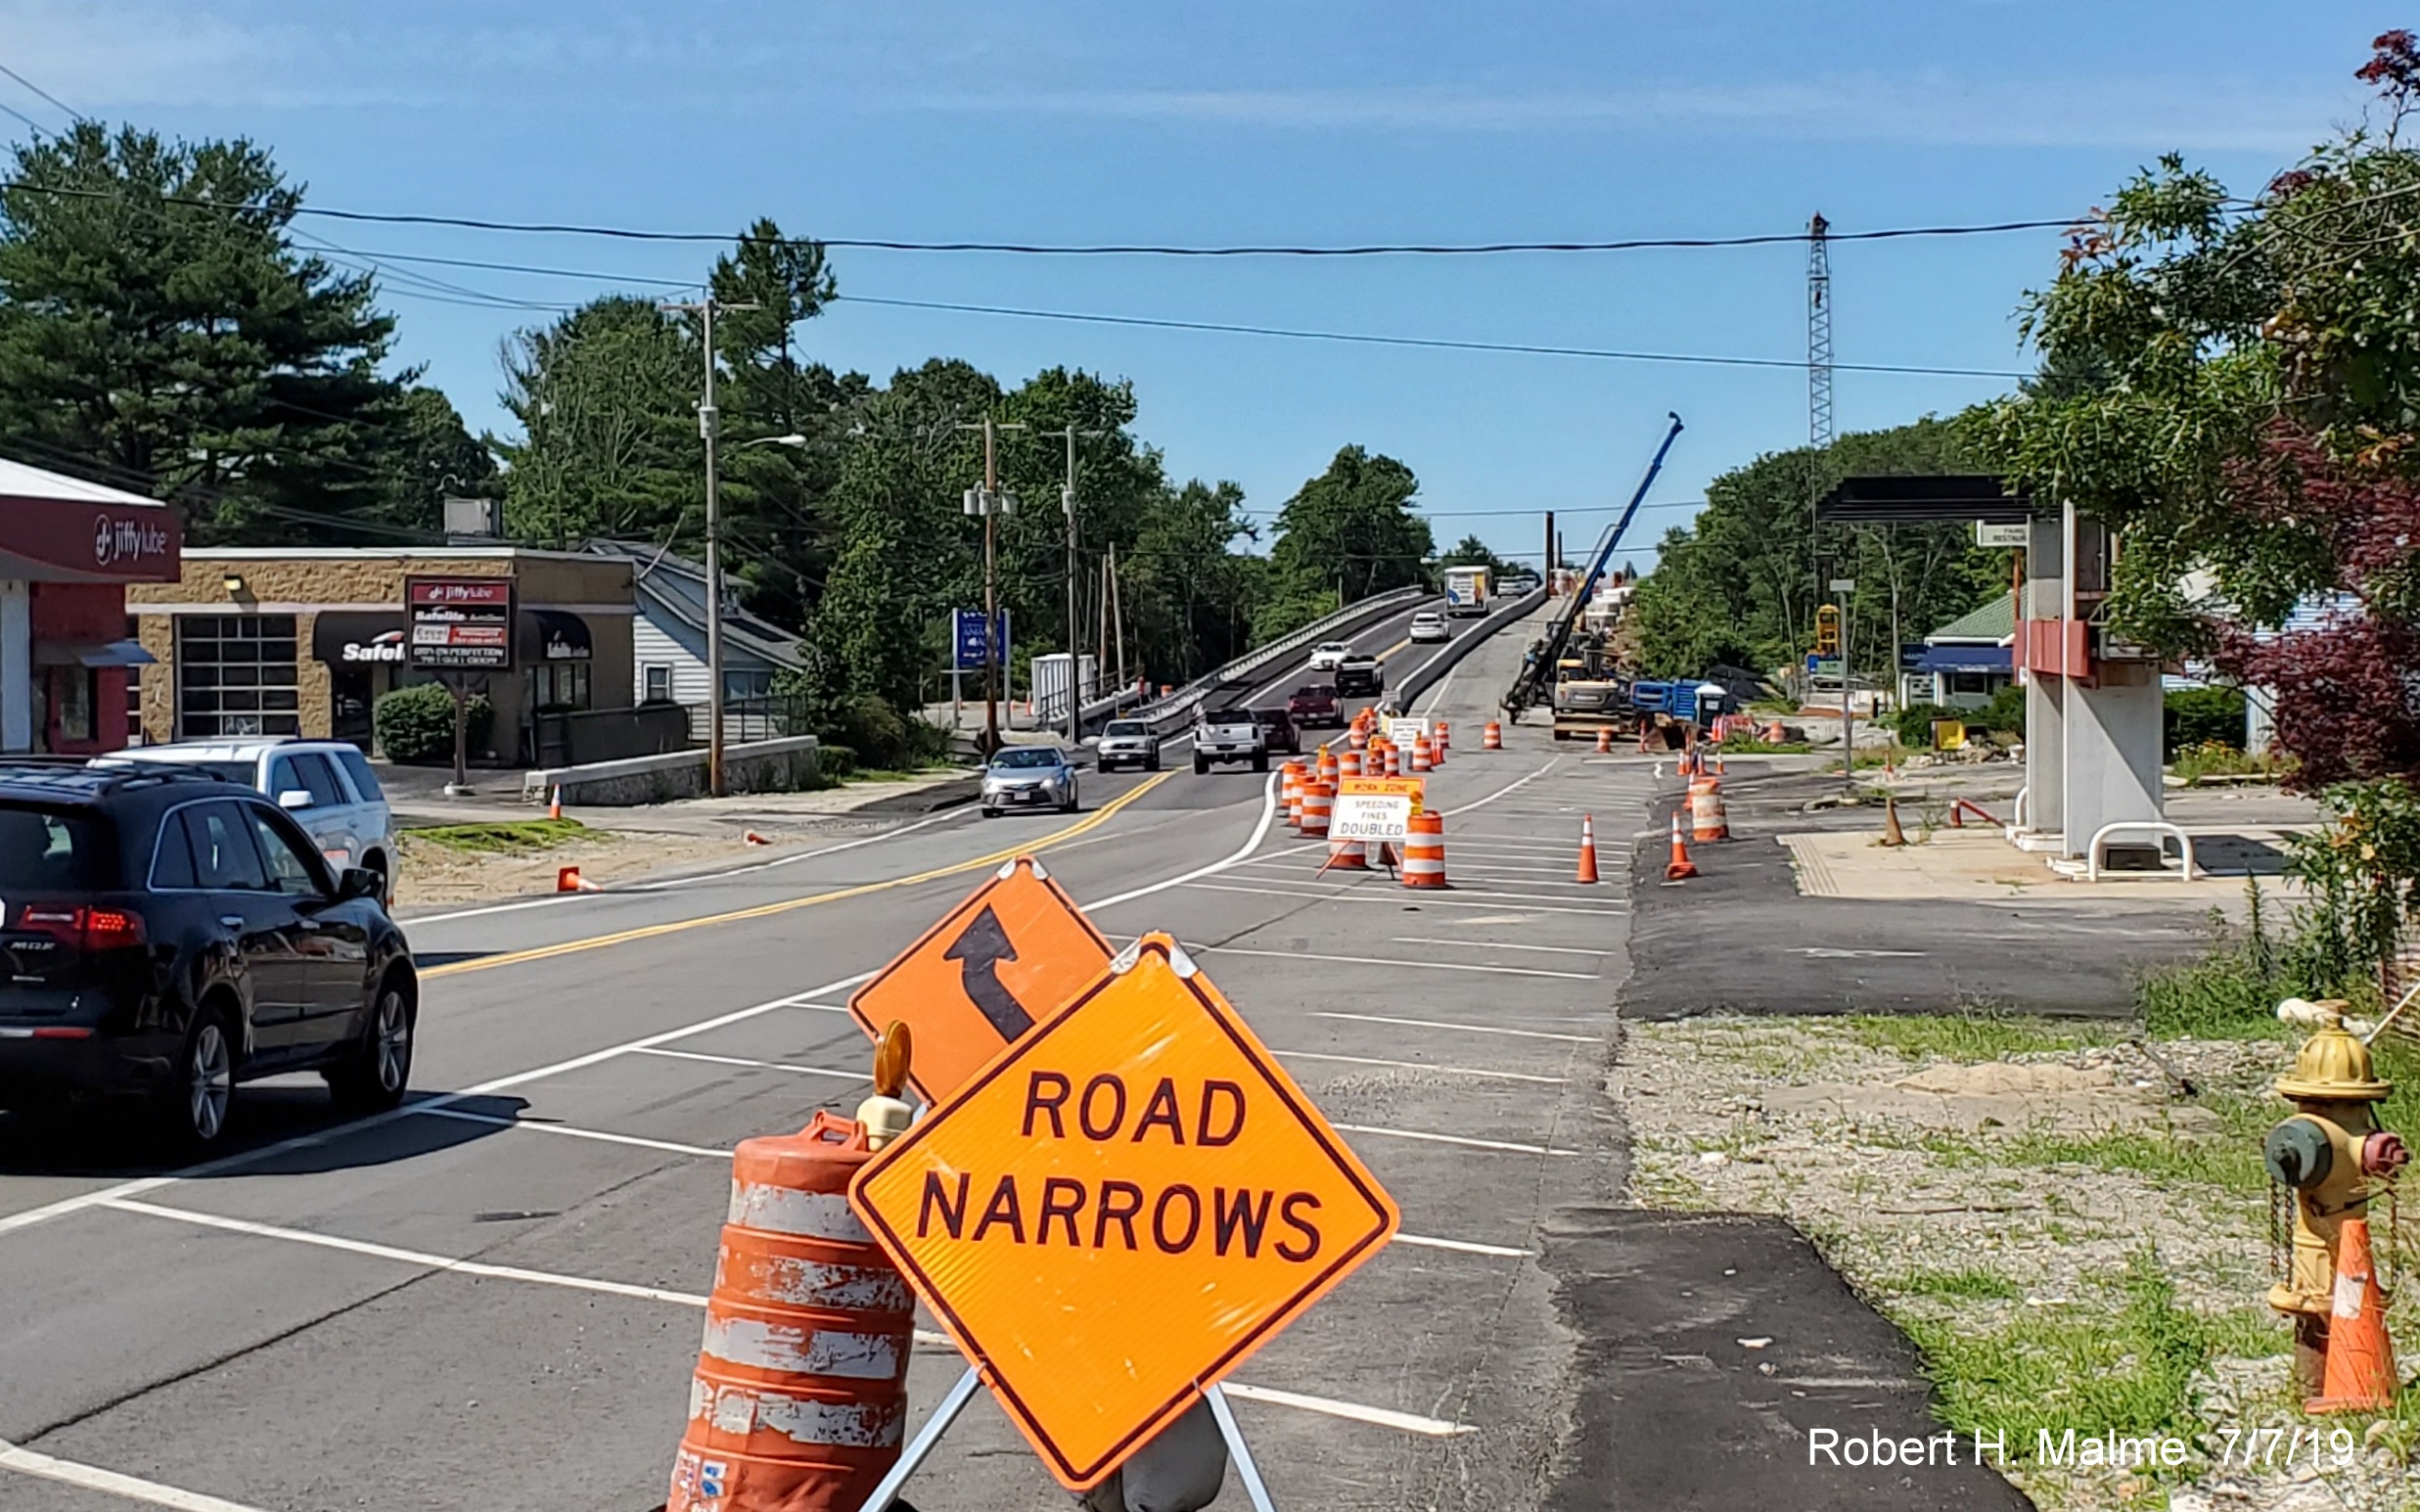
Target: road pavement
(490, 1298)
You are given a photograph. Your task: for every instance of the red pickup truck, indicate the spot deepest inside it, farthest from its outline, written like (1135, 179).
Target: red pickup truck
(1315, 703)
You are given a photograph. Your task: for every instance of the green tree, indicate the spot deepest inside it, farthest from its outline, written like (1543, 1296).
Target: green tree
(607, 400)
(160, 330)
(431, 455)
(1346, 534)
(1738, 585)
(1470, 551)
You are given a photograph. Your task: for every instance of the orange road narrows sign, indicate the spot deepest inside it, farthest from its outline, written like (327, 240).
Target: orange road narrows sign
(996, 964)
(1120, 1209)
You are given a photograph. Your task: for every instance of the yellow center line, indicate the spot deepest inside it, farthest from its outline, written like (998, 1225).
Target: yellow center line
(1091, 821)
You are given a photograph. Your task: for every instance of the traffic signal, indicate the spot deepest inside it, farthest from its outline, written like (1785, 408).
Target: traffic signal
(1828, 631)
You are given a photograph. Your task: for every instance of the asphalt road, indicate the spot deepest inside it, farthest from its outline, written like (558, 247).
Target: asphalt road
(491, 1297)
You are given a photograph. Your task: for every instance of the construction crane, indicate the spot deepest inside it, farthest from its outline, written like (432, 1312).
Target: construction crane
(1536, 680)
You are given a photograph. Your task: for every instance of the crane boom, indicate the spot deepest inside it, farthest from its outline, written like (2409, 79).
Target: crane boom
(1538, 674)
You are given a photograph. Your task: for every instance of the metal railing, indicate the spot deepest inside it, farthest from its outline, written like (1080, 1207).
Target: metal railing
(1185, 700)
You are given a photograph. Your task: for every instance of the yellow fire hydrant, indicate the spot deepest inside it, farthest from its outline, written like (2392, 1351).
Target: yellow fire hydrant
(2332, 1155)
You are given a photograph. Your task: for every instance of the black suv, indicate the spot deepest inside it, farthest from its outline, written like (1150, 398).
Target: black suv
(168, 934)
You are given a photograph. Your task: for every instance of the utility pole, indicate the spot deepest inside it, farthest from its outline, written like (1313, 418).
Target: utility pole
(990, 503)
(1117, 614)
(1546, 575)
(1818, 399)
(709, 425)
(1066, 503)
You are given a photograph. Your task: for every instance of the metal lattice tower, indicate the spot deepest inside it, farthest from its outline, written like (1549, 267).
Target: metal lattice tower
(1818, 333)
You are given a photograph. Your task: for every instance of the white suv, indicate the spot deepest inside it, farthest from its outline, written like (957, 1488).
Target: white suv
(1329, 654)
(325, 784)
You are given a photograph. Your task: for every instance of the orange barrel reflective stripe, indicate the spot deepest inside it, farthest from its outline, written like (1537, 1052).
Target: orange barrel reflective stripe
(1424, 853)
(1318, 802)
(1421, 758)
(800, 1390)
(1706, 818)
(1491, 736)
(1349, 764)
(1394, 759)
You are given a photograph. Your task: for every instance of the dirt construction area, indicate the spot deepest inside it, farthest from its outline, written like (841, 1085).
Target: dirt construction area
(2071, 1223)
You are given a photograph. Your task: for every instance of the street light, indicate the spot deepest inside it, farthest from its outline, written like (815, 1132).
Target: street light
(793, 439)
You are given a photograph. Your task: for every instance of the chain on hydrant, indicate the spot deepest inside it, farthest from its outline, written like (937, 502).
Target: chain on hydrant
(2336, 1159)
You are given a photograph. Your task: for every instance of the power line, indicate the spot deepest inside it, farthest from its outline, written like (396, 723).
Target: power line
(1109, 249)
(70, 112)
(1791, 364)
(34, 126)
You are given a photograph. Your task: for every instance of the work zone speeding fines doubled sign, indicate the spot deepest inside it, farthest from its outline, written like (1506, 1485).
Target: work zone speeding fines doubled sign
(1120, 1207)
(1375, 807)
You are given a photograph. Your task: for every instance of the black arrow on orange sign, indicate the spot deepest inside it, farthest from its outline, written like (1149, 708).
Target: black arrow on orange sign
(979, 952)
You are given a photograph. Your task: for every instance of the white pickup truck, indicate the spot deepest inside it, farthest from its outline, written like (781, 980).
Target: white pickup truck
(1229, 735)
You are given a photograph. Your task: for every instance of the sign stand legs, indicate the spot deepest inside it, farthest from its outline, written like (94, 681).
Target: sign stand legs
(1245, 1469)
(925, 1437)
(920, 1447)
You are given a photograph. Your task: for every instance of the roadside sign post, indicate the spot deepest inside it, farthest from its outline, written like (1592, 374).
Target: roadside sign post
(457, 627)
(1376, 808)
(1116, 1211)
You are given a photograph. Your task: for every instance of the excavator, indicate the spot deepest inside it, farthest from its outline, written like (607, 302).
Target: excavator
(1571, 666)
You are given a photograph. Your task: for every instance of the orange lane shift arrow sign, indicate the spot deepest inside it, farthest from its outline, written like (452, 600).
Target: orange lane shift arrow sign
(1005, 958)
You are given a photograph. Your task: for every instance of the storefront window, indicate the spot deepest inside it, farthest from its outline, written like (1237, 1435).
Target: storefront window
(72, 690)
(560, 685)
(236, 675)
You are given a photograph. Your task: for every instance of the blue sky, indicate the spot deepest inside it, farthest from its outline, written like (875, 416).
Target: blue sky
(1252, 121)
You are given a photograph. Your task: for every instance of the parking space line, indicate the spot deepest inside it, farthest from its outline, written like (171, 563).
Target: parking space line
(570, 1131)
(1497, 944)
(1384, 1417)
(93, 1478)
(1472, 1029)
(1381, 1416)
(1452, 1139)
(420, 1258)
(1404, 898)
(1457, 1070)
(1380, 960)
(742, 1060)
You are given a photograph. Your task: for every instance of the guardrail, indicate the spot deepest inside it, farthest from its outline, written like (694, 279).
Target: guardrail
(1408, 687)
(1181, 703)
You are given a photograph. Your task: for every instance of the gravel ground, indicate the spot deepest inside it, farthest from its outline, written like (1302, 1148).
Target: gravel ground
(434, 874)
(1978, 1191)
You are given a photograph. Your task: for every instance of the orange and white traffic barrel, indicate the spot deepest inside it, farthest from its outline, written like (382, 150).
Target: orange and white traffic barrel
(1422, 758)
(800, 1390)
(1348, 855)
(1604, 740)
(1445, 734)
(1289, 779)
(1318, 802)
(1326, 769)
(1357, 736)
(1394, 759)
(1424, 851)
(1706, 816)
(1349, 764)
(1491, 736)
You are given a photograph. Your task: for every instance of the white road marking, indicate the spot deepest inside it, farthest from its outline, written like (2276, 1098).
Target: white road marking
(1459, 1071)
(1380, 960)
(742, 1060)
(1381, 1416)
(1464, 1246)
(1496, 944)
(92, 1478)
(1515, 786)
(419, 1258)
(803, 999)
(408, 924)
(1242, 853)
(570, 1131)
(1473, 1028)
(1384, 1417)
(1452, 1139)
(1408, 897)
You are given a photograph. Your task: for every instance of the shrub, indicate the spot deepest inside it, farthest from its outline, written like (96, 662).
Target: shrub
(874, 732)
(416, 724)
(2203, 716)
(2005, 711)
(1914, 725)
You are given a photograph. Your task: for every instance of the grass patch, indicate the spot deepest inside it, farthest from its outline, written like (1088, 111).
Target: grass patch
(510, 836)
(1739, 747)
(1978, 1034)
(2228, 1162)
(1970, 1285)
(2129, 1368)
(2212, 759)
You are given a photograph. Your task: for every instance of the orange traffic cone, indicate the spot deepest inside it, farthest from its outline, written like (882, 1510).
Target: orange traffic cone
(554, 808)
(1680, 868)
(1604, 741)
(752, 837)
(2360, 1371)
(1587, 850)
(568, 880)
(1491, 736)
